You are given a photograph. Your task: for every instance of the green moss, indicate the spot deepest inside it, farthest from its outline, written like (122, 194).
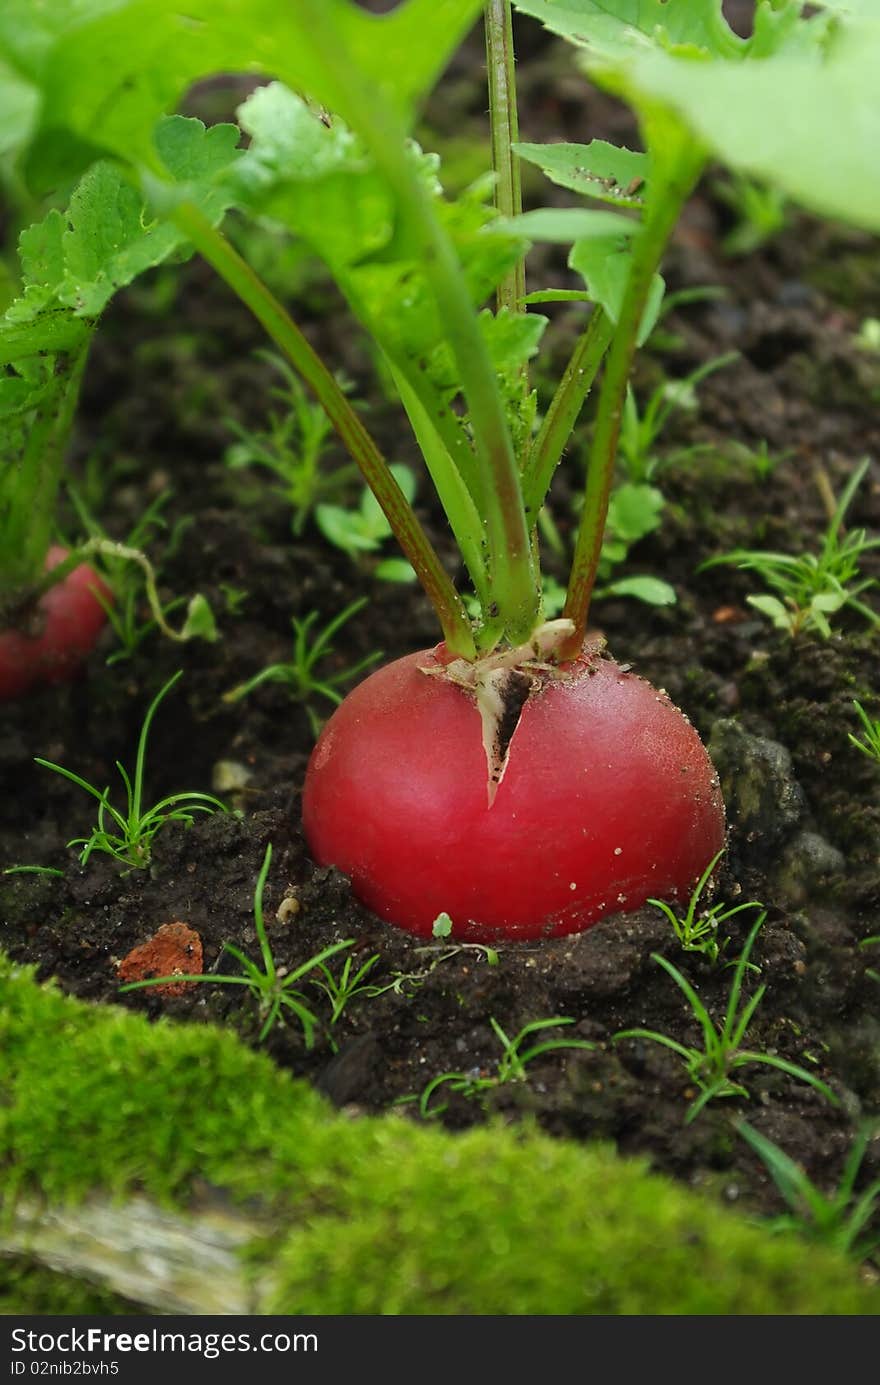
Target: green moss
(376, 1215)
(26, 1288)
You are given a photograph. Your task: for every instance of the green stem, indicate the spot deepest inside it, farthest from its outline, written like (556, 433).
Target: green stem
(512, 576)
(109, 548)
(556, 429)
(666, 200)
(216, 249)
(33, 480)
(504, 124)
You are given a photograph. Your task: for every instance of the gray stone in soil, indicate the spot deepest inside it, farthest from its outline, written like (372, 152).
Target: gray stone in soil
(808, 863)
(765, 803)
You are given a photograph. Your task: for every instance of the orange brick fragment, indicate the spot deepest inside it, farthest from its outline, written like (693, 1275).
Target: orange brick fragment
(174, 949)
(729, 615)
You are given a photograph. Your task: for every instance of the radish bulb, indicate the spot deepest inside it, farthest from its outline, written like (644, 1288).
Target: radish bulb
(522, 798)
(63, 630)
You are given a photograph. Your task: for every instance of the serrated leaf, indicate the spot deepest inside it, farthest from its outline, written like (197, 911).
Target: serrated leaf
(604, 266)
(614, 28)
(108, 237)
(808, 122)
(317, 180)
(442, 926)
(198, 155)
(19, 395)
(604, 171)
(50, 332)
(312, 177)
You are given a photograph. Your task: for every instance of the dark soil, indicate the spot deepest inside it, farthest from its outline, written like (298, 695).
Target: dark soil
(804, 837)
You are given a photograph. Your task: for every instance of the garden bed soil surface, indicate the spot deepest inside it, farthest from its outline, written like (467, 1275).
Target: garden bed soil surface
(804, 836)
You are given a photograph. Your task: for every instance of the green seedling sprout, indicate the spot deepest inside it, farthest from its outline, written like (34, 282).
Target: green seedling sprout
(711, 1067)
(871, 942)
(511, 1066)
(813, 586)
(760, 210)
(291, 447)
(662, 338)
(838, 1219)
(274, 989)
(131, 577)
(640, 430)
(342, 989)
(443, 928)
(634, 511)
(697, 928)
(135, 829)
(300, 673)
(869, 743)
(364, 529)
(759, 460)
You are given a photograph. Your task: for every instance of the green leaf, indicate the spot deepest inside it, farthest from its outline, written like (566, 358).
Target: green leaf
(49, 333)
(512, 338)
(108, 237)
(652, 590)
(313, 178)
(318, 181)
(808, 122)
(604, 266)
(373, 521)
(345, 529)
(828, 601)
(563, 225)
(364, 529)
(597, 169)
(557, 296)
(18, 109)
(30, 28)
(394, 570)
(442, 926)
(634, 511)
(861, 9)
(771, 606)
(619, 27)
(200, 623)
(109, 71)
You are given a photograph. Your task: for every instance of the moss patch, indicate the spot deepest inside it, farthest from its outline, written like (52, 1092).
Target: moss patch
(26, 1288)
(375, 1215)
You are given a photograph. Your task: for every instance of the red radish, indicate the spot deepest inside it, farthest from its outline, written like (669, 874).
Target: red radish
(607, 797)
(63, 630)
